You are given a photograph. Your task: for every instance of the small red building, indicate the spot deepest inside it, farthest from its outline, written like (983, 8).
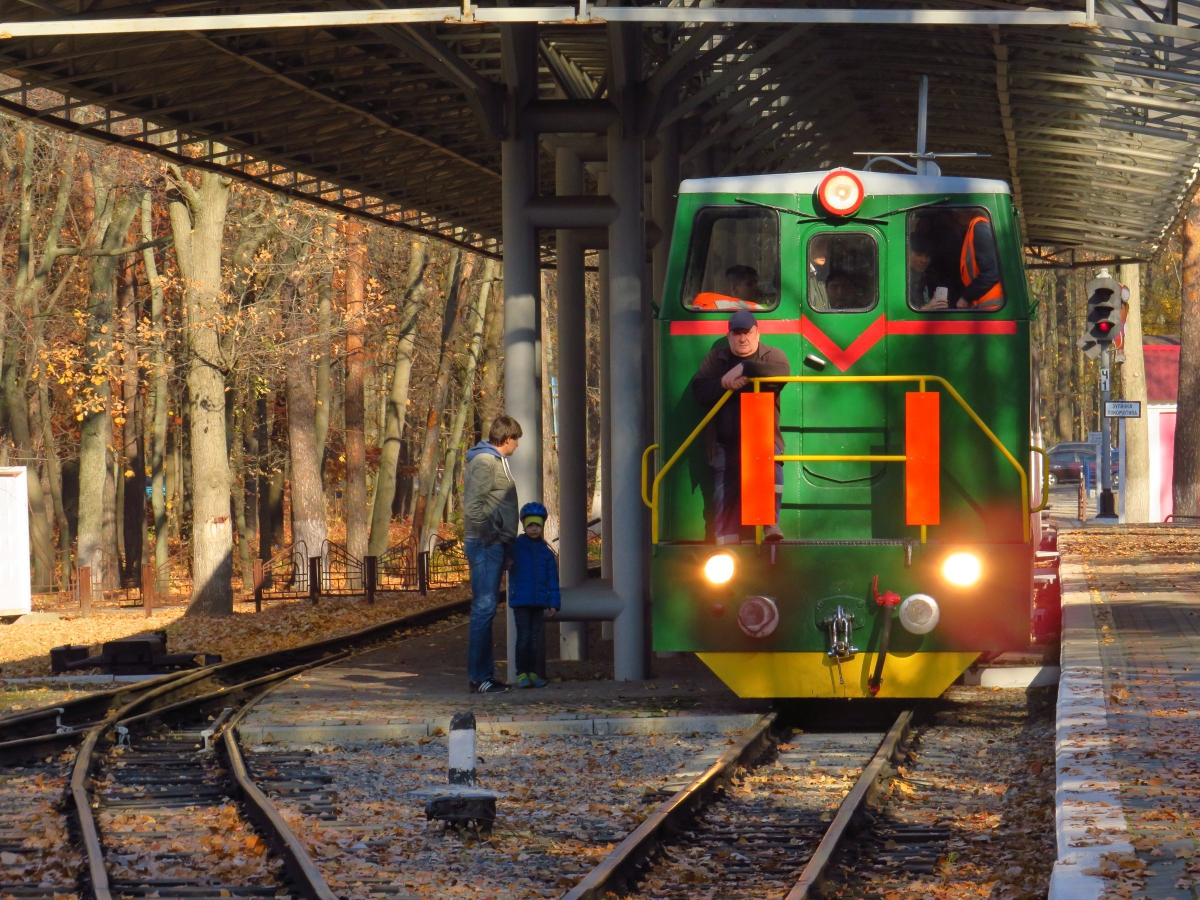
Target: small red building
(1162, 388)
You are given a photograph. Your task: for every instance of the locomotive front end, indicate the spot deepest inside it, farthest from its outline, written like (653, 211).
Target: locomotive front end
(856, 520)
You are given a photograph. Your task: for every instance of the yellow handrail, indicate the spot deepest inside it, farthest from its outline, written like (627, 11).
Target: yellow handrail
(653, 504)
(842, 379)
(1045, 480)
(645, 457)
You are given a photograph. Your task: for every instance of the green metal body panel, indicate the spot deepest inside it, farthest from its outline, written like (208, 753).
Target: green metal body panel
(981, 507)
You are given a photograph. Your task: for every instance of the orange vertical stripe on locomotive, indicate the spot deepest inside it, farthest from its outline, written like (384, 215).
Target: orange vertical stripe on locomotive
(922, 452)
(758, 459)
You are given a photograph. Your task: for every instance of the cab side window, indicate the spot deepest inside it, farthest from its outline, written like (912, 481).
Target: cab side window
(733, 260)
(953, 261)
(843, 271)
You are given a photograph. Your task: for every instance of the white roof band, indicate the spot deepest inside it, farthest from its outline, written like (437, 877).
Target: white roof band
(875, 183)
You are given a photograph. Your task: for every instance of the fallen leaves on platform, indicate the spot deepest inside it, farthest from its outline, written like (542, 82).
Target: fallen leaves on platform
(24, 652)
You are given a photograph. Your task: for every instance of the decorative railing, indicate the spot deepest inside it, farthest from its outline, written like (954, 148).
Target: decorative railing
(446, 564)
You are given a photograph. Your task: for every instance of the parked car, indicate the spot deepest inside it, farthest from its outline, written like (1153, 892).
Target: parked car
(1067, 459)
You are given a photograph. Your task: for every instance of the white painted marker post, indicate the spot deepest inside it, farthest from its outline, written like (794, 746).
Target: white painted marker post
(462, 749)
(462, 803)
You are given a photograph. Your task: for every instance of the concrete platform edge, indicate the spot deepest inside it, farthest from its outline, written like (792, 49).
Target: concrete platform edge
(1089, 816)
(252, 735)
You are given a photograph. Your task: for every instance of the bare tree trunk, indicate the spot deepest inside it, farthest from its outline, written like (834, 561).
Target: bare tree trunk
(15, 384)
(1062, 389)
(456, 275)
(134, 505)
(279, 473)
(198, 223)
(1186, 487)
(1136, 488)
(324, 354)
(478, 319)
(393, 432)
(158, 454)
(97, 525)
(239, 495)
(490, 403)
(262, 453)
(355, 404)
(308, 492)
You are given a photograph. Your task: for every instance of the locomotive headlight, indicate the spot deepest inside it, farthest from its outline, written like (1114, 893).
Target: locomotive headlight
(719, 568)
(841, 192)
(962, 569)
(919, 614)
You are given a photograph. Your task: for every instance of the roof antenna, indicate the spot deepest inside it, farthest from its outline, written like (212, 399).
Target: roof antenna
(925, 161)
(923, 164)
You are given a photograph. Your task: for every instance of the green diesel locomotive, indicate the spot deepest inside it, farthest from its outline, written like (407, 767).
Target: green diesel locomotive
(855, 511)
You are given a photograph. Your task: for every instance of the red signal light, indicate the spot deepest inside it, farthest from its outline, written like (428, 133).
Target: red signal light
(1104, 327)
(841, 192)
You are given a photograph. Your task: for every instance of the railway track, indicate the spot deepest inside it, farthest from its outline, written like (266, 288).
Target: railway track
(157, 799)
(766, 817)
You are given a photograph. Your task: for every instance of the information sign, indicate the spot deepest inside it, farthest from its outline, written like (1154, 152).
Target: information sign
(1123, 409)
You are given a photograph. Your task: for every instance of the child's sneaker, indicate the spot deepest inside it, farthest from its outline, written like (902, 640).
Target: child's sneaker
(535, 680)
(524, 680)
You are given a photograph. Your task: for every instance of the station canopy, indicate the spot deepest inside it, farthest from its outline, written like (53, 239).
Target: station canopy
(396, 113)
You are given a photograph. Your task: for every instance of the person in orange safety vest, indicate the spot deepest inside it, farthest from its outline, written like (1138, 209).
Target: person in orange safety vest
(979, 267)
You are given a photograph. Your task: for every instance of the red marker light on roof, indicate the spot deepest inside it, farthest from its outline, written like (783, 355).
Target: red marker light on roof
(841, 192)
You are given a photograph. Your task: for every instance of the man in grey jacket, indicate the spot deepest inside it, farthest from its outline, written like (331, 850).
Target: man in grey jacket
(490, 519)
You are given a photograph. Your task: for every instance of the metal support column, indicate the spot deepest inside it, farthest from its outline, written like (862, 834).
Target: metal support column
(522, 327)
(572, 408)
(1107, 507)
(605, 474)
(665, 186)
(627, 270)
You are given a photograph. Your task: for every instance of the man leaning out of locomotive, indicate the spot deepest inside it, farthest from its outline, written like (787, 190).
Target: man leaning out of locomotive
(730, 365)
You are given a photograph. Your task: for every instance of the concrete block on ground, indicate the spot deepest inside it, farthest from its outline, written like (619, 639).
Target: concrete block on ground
(1013, 676)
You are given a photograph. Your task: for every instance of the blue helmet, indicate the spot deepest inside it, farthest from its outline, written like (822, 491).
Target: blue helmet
(533, 510)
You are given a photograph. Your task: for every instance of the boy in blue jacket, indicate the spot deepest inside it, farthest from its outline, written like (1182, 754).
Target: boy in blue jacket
(532, 591)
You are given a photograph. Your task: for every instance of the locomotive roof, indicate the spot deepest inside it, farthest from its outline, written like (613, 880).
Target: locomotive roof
(875, 183)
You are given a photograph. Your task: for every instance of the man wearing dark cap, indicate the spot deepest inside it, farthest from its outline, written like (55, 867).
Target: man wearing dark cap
(730, 365)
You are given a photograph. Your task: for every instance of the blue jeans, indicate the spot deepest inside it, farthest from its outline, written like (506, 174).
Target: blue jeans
(530, 635)
(487, 564)
(727, 493)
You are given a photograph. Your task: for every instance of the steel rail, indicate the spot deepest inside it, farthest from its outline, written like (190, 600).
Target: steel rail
(262, 812)
(849, 809)
(315, 654)
(619, 867)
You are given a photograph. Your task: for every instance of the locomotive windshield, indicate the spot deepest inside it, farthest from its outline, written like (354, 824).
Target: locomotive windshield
(843, 272)
(953, 263)
(733, 262)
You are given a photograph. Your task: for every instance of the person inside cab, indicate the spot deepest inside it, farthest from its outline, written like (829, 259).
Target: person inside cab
(953, 261)
(741, 291)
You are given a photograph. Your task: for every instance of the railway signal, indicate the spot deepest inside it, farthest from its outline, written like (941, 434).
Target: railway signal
(1103, 308)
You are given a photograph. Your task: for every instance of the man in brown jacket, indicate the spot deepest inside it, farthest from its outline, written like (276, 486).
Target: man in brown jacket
(730, 365)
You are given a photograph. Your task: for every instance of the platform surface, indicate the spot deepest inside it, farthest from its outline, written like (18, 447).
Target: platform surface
(412, 688)
(1128, 731)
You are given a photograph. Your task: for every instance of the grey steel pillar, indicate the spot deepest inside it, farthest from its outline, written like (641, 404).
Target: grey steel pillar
(627, 270)
(572, 408)
(522, 331)
(605, 474)
(664, 177)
